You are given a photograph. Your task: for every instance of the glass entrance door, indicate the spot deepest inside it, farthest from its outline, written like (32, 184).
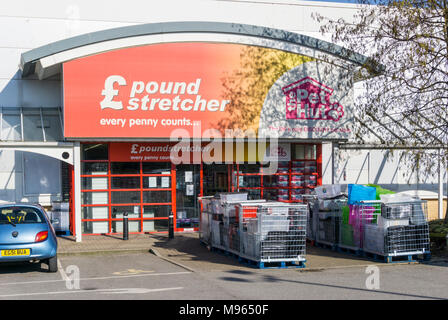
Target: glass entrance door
(188, 189)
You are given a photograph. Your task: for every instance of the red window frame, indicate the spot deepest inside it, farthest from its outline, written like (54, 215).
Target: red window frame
(141, 204)
(317, 160)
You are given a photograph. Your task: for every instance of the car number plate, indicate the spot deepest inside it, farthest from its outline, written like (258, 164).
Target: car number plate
(15, 252)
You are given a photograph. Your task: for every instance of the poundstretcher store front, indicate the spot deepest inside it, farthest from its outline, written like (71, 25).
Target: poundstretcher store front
(161, 114)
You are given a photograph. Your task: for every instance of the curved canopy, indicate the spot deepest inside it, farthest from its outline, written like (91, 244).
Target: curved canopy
(46, 60)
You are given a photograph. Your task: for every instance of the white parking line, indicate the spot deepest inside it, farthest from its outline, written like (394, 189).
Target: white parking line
(100, 278)
(105, 291)
(62, 272)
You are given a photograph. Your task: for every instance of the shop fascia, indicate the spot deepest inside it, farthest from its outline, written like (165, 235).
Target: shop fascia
(145, 102)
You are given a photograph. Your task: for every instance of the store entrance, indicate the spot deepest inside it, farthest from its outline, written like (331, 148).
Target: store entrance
(188, 189)
(216, 178)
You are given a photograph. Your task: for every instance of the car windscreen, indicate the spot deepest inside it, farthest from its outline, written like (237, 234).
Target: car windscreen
(20, 215)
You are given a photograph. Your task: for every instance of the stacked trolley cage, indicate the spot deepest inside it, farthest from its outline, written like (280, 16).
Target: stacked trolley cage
(309, 200)
(394, 231)
(276, 235)
(328, 216)
(264, 234)
(219, 221)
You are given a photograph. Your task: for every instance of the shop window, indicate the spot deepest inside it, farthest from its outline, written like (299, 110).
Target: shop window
(125, 168)
(289, 183)
(249, 182)
(156, 167)
(253, 194)
(94, 183)
(95, 198)
(94, 168)
(276, 194)
(96, 151)
(132, 211)
(187, 218)
(305, 151)
(95, 227)
(156, 211)
(156, 182)
(249, 168)
(125, 183)
(95, 213)
(125, 197)
(110, 189)
(270, 181)
(215, 179)
(156, 196)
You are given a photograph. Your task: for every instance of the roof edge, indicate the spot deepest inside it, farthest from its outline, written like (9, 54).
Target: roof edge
(29, 58)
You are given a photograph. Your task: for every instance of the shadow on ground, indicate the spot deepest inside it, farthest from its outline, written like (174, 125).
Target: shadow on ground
(22, 267)
(187, 249)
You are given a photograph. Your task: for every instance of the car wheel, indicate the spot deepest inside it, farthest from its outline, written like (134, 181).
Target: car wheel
(53, 264)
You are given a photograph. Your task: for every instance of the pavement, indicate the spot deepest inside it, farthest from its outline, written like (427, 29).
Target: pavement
(185, 250)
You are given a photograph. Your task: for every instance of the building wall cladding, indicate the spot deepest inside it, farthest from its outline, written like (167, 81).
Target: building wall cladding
(33, 24)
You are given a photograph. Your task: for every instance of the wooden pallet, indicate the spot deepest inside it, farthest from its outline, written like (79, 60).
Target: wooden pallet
(406, 258)
(356, 252)
(272, 265)
(325, 245)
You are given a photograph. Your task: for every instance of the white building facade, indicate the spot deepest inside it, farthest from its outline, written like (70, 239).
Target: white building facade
(43, 160)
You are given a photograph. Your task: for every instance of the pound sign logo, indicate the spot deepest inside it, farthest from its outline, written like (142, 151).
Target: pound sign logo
(109, 93)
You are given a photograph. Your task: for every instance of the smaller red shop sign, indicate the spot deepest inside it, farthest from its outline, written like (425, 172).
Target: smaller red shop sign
(195, 152)
(154, 151)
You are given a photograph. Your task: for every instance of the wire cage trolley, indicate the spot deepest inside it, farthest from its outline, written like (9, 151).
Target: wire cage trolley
(277, 234)
(309, 200)
(392, 230)
(328, 227)
(219, 227)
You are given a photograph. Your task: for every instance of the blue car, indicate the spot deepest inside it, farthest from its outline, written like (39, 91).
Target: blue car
(26, 234)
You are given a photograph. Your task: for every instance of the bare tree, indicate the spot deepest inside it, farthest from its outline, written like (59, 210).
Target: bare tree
(406, 103)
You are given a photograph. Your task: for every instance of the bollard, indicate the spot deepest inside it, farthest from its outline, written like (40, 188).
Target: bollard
(125, 226)
(171, 226)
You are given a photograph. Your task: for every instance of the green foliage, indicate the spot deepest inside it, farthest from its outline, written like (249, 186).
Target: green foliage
(438, 227)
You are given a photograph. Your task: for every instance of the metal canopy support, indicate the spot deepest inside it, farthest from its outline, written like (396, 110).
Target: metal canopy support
(21, 125)
(42, 124)
(1, 123)
(77, 189)
(333, 173)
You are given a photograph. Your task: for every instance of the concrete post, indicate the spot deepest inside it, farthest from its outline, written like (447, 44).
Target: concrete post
(77, 193)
